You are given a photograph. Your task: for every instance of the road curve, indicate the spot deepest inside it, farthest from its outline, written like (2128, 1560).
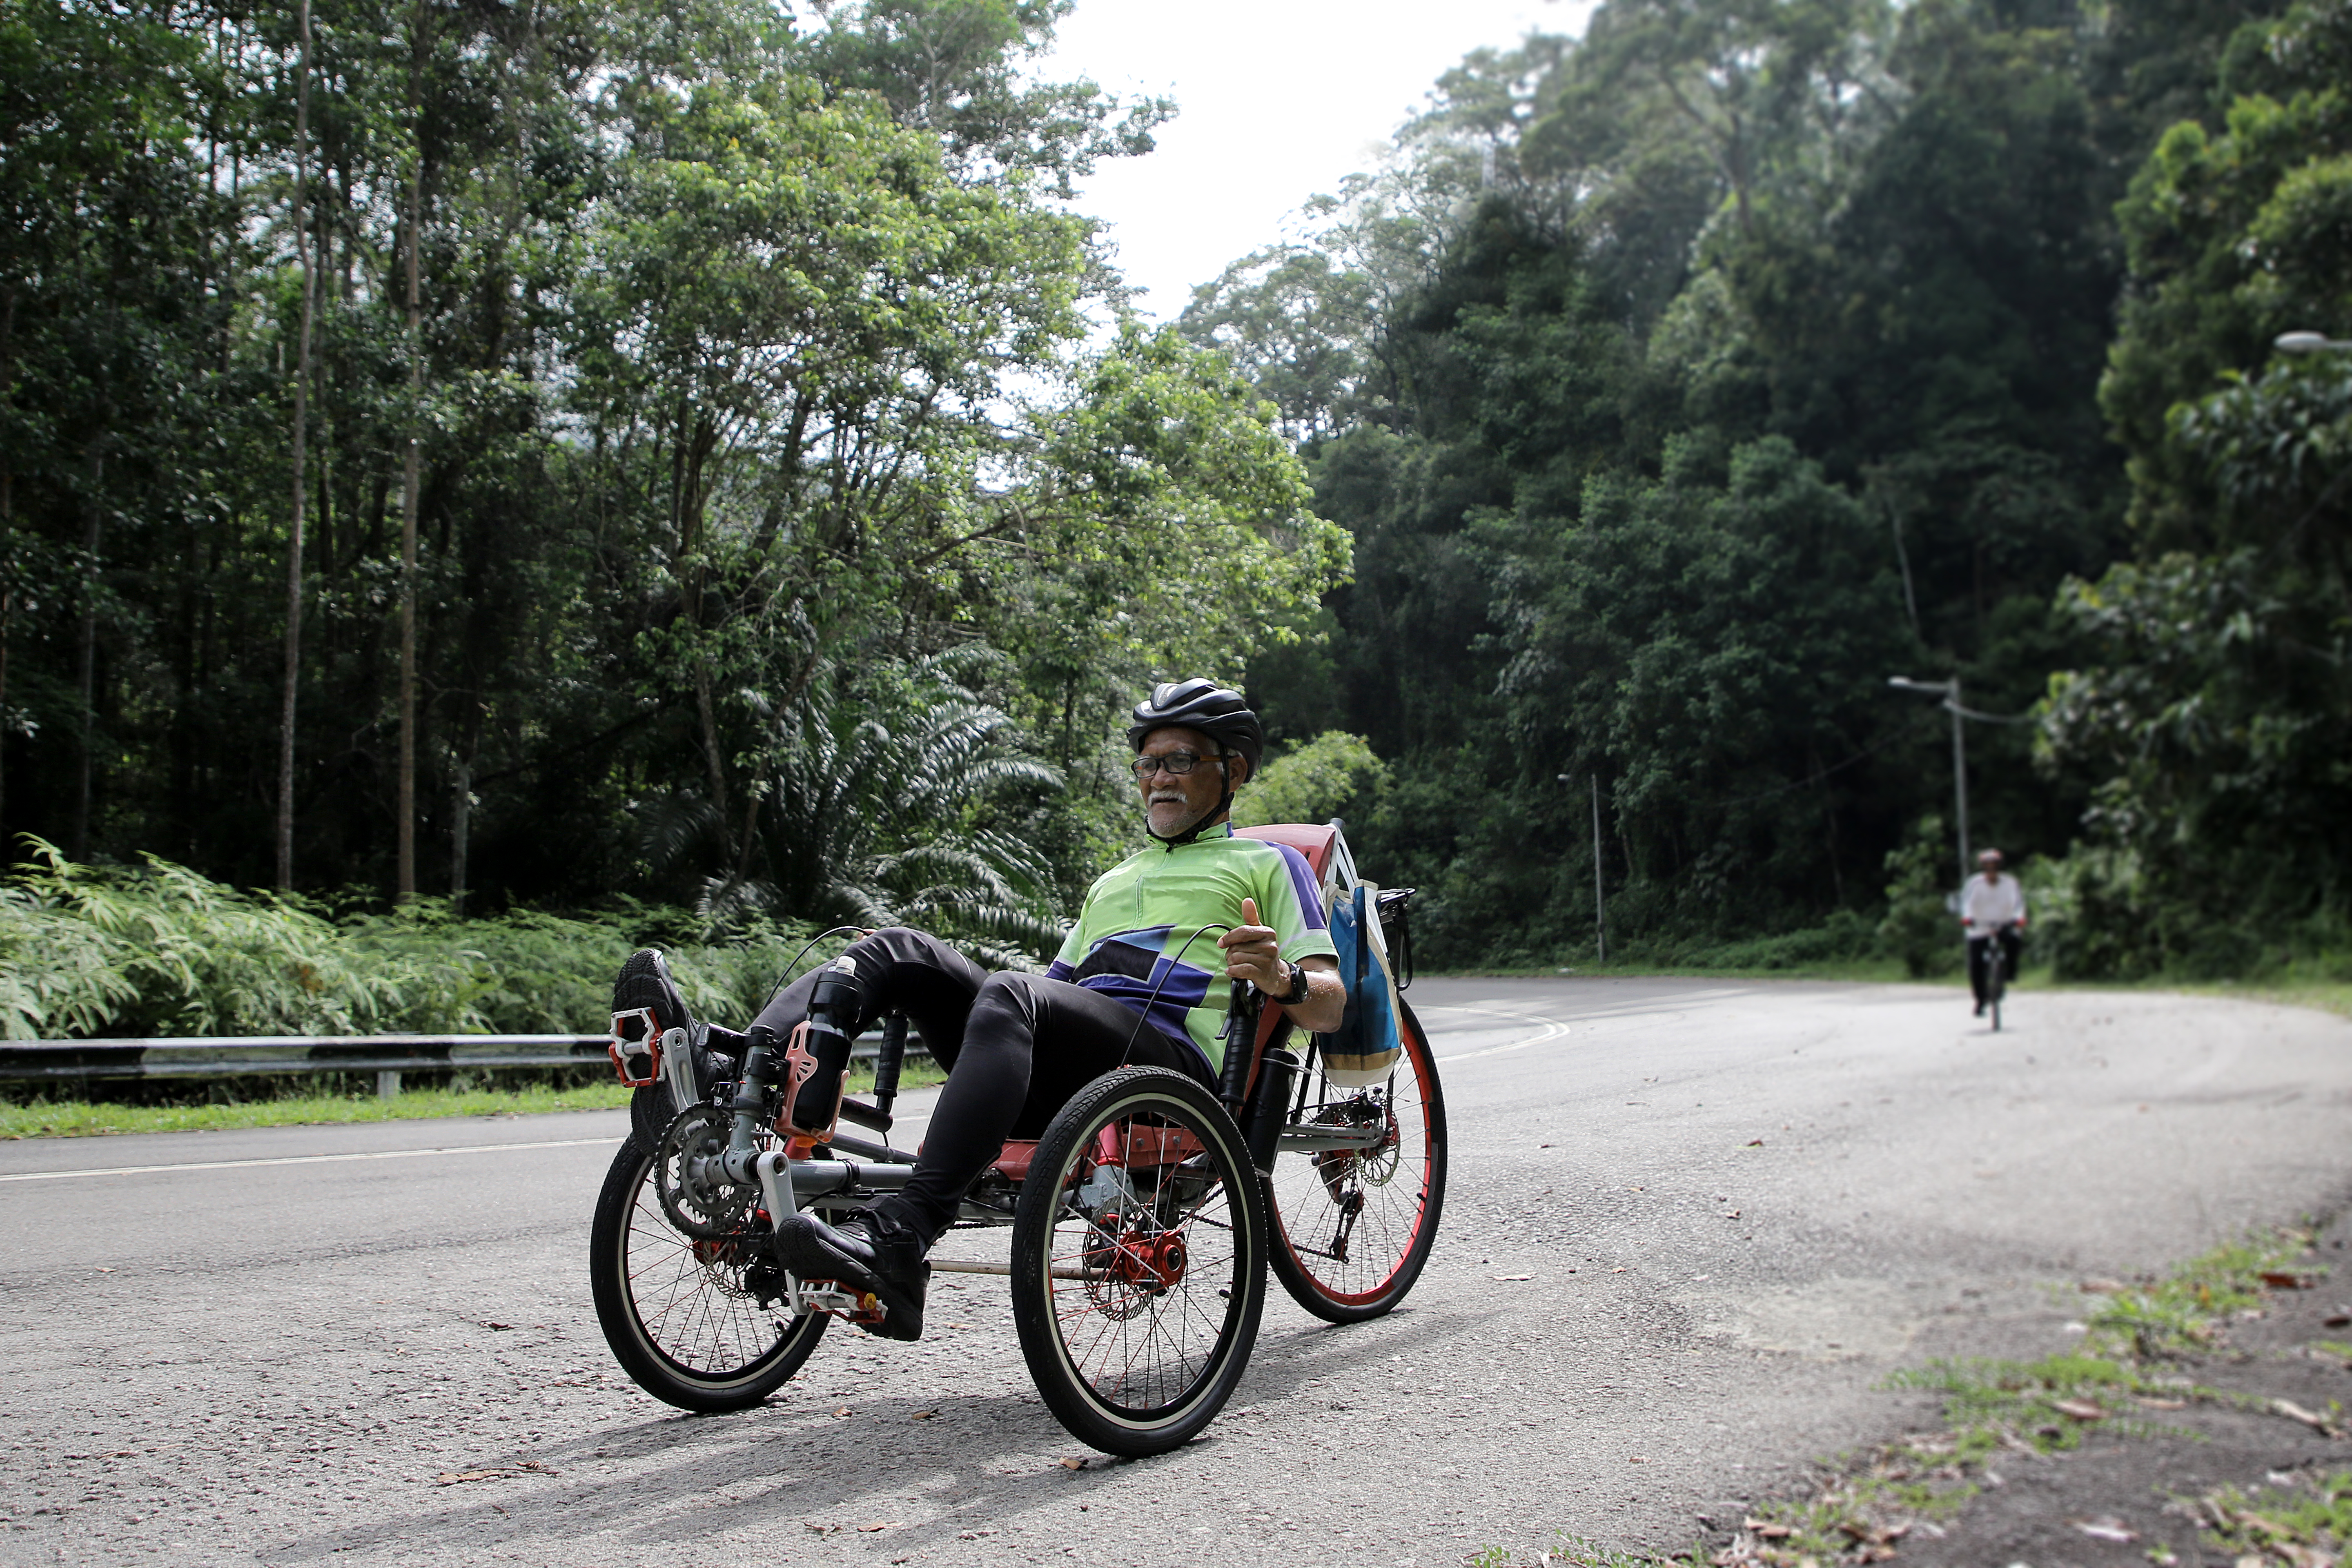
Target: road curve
(1735, 1205)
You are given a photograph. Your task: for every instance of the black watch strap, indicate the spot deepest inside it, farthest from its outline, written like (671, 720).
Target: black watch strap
(1298, 992)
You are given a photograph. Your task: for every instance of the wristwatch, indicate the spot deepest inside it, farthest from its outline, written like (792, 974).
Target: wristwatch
(1298, 992)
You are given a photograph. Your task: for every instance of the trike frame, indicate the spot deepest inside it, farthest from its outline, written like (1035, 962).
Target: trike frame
(1347, 1229)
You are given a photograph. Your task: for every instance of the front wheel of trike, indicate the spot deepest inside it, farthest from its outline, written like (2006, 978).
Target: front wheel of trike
(705, 1325)
(1139, 1261)
(1355, 1203)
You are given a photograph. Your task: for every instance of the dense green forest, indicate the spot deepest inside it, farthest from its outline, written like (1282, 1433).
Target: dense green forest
(1682, 383)
(707, 461)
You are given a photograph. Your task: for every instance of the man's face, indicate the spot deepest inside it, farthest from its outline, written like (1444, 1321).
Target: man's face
(1175, 802)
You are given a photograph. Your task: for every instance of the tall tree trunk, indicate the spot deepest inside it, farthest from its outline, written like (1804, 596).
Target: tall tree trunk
(708, 712)
(7, 561)
(88, 660)
(7, 392)
(696, 441)
(461, 802)
(408, 480)
(294, 528)
(7, 615)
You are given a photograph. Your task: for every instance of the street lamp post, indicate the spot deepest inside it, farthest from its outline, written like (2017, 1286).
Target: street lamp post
(2308, 342)
(1949, 690)
(1600, 909)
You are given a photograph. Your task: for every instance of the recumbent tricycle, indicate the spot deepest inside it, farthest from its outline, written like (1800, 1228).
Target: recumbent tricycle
(1143, 1221)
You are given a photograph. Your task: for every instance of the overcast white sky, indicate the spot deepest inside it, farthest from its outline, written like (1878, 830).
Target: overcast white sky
(1278, 100)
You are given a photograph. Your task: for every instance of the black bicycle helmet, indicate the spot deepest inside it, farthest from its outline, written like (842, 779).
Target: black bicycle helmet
(1219, 712)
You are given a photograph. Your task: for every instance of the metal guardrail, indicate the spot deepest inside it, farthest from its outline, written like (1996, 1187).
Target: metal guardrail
(249, 1056)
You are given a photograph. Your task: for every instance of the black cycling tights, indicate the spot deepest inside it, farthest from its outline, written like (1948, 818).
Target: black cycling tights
(1016, 1048)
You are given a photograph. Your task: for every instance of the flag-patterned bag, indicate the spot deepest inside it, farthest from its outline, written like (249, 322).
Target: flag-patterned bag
(1365, 1047)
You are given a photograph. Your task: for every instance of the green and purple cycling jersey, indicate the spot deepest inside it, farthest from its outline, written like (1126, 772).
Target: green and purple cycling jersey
(1140, 938)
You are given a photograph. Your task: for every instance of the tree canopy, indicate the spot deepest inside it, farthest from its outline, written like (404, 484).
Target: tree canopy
(792, 530)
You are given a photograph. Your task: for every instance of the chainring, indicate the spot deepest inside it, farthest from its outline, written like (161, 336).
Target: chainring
(695, 1193)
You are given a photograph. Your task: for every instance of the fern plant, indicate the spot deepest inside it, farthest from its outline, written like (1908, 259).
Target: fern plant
(882, 808)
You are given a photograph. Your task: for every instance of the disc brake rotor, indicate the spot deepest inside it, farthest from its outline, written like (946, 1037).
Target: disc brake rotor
(1342, 1169)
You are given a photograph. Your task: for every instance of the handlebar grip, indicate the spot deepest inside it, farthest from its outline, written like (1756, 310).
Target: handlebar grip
(1241, 1041)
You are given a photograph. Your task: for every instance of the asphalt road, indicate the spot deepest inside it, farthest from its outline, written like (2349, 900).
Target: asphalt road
(1738, 1205)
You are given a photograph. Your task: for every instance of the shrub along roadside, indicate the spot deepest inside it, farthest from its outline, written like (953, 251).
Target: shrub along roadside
(92, 951)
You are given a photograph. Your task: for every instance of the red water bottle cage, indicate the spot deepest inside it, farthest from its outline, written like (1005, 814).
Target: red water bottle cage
(800, 1065)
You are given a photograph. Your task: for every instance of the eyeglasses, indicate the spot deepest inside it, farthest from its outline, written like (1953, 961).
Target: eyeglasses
(1177, 762)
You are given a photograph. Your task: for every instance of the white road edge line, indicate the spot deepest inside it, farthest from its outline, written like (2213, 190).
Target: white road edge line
(302, 1160)
(1553, 1029)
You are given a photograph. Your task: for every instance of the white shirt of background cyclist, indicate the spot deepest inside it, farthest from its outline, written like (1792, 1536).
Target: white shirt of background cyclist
(1988, 905)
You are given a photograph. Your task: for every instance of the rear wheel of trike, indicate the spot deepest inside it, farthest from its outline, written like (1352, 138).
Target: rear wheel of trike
(1352, 1227)
(683, 1319)
(1139, 1261)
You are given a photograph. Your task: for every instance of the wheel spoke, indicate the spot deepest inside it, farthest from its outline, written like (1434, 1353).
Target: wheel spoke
(1357, 1224)
(1138, 1343)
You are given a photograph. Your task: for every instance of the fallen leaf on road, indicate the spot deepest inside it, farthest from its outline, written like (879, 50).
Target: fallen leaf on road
(2280, 1280)
(923, 1414)
(1731, 1214)
(528, 1467)
(1074, 1464)
(2152, 1402)
(1637, 1459)
(843, 1411)
(1763, 1530)
(2102, 1287)
(877, 1524)
(2080, 1409)
(1506, 1279)
(2107, 1528)
(2311, 1418)
(1617, 1272)
(2339, 1320)
(498, 1325)
(1755, 1143)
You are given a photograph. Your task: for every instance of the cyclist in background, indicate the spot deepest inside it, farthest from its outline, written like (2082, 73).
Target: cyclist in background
(1992, 908)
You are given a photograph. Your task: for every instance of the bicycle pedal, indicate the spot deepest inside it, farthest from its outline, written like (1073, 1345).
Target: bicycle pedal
(832, 1296)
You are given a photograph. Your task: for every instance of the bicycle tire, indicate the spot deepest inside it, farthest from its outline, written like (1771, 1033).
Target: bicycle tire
(1995, 978)
(1137, 1287)
(1308, 1195)
(707, 1343)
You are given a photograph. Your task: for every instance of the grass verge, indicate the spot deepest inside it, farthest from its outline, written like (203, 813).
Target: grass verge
(2321, 996)
(2304, 1523)
(2121, 1379)
(86, 1119)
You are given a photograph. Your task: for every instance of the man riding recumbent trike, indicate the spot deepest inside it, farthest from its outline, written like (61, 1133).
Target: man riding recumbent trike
(1138, 1115)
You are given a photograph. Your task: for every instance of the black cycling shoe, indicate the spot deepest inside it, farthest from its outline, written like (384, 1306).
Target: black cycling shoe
(645, 983)
(867, 1253)
(645, 986)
